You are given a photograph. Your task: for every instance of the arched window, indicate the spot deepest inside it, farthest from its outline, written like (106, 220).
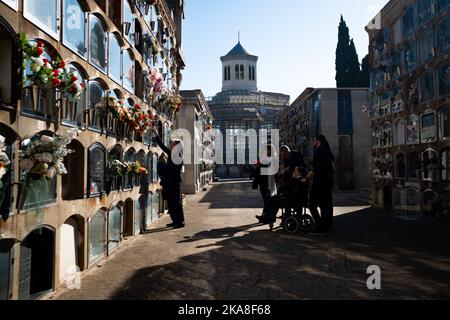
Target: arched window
(428, 127)
(114, 229)
(73, 112)
(96, 105)
(427, 87)
(426, 47)
(413, 165)
(236, 72)
(412, 129)
(9, 67)
(424, 11)
(128, 22)
(408, 22)
(73, 181)
(430, 165)
(36, 100)
(6, 177)
(74, 27)
(97, 237)
(128, 71)
(97, 43)
(400, 166)
(96, 170)
(445, 122)
(443, 36)
(444, 79)
(399, 132)
(115, 58)
(241, 72)
(129, 157)
(410, 57)
(112, 122)
(44, 14)
(139, 157)
(445, 164)
(155, 176)
(149, 166)
(115, 154)
(386, 135)
(139, 81)
(38, 193)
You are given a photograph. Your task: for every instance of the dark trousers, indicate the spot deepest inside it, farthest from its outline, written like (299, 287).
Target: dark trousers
(321, 197)
(175, 203)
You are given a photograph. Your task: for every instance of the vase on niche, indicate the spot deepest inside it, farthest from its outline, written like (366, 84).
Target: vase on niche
(35, 91)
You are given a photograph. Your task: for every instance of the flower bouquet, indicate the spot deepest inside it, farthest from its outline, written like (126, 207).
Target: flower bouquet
(116, 168)
(136, 168)
(42, 157)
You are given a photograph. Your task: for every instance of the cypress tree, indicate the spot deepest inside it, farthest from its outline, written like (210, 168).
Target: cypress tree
(354, 69)
(347, 62)
(342, 54)
(364, 76)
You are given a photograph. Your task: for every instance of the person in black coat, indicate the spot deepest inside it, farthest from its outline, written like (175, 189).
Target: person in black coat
(172, 183)
(321, 194)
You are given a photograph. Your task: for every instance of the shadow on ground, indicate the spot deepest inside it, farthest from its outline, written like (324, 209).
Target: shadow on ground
(248, 263)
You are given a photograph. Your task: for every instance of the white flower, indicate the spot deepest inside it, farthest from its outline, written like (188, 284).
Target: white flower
(66, 69)
(48, 66)
(39, 61)
(47, 139)
(2, 140)
(4, 159)
(35, 67)
(51, 172)
(44, 157)
(26, 165)
(77, 85)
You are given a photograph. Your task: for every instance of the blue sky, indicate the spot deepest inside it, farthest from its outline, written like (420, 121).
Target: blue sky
(294, 39)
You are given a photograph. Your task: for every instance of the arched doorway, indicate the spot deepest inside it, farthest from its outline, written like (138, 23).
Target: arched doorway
(73, 181)
(97, 237)
(128, 211)
(6, 268)
(36, 264)
(71, 252)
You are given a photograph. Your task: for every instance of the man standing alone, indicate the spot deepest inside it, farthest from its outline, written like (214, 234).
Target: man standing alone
(173, 181)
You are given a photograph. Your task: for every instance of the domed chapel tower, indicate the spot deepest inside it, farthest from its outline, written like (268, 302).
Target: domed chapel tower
(239, 70)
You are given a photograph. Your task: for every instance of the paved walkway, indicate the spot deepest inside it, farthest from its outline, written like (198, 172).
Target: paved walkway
(222, 254)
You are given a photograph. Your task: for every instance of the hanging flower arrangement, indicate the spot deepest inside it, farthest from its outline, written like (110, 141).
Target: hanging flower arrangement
(151, 45)
(117, 168)
(136, 168)
(42, 157)
(140, 119)
(157, 82)
(4, 160)
(47, 74)
(41, 69)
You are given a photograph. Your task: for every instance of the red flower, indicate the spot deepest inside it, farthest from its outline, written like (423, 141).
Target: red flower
(56, 82)
(137, 107)
(40, 44)
(39, 51)
(45, 60)
(55, 73)
(62, 64)
(73, 90)
(73, 79)
(82, 86)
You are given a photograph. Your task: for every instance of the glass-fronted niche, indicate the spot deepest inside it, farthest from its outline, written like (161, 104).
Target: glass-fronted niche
(44, 14)
(74, 27)
(430, 165)
(428, 126)
(444, 79)
(427, 87)
(39, 191)
(96, 169)
(412, 129)
(97, 237)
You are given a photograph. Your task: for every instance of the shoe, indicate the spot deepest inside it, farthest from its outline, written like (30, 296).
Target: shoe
(179, 226)
(170, 225)
(259, 217)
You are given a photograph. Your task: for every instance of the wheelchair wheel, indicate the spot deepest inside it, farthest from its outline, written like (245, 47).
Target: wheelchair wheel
(291, 225)
(307, 223)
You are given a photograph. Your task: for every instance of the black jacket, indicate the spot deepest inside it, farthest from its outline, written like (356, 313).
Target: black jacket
(172, 171)
(323, 165)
